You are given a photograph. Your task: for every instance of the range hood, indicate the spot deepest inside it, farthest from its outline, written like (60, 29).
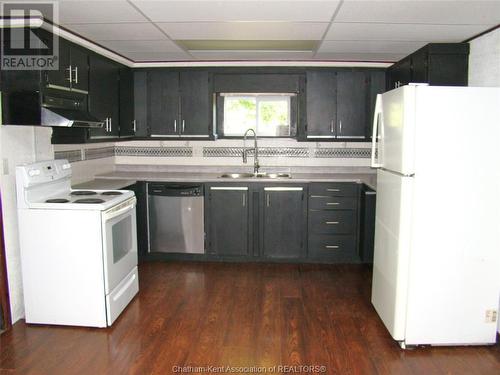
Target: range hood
(68, 118)
(56, 109)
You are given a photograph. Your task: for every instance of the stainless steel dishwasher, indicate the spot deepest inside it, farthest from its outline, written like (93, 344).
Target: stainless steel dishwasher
(175, 218)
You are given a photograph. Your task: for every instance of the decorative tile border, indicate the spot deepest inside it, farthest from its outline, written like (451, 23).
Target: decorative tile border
(350, 153)
(229, 152)
(154, 151)
(71, 155)
(99, 153)
(212, 152)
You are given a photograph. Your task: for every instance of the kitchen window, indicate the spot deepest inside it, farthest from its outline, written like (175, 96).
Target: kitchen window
(269, 114)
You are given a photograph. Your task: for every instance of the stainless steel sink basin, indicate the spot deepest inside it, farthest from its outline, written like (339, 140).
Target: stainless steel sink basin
(256, 175)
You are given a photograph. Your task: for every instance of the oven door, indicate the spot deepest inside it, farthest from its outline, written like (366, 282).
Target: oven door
(119, 242)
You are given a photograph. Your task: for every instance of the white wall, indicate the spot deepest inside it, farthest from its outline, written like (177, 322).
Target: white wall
(18, 145)
(484, 66)
(85, 170)
(484, 60)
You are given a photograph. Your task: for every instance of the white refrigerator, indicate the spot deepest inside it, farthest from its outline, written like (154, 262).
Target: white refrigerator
(436, 273)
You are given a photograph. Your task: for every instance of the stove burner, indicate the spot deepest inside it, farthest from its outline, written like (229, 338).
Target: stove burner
(57, 200)
(112, 193)
(89, 200)
(83, 192)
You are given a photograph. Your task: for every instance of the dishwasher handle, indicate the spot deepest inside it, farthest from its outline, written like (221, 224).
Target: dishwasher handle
(175, 190)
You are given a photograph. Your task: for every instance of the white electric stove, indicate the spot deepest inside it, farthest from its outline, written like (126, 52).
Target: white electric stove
(78, 248)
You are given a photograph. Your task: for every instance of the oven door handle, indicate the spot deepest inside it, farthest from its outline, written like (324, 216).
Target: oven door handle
(112, 215)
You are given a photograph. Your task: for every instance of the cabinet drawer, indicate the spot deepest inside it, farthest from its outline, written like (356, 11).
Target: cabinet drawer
(317, 202)
(324, 245)
(334, 189)
(332, 222)
(338, 248)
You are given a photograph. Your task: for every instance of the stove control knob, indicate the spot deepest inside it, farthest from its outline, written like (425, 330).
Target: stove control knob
(34, 172)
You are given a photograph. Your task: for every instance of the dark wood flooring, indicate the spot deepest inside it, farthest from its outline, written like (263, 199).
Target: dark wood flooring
(223, 314)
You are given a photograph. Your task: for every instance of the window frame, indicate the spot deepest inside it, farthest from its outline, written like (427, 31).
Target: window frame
(293, 99)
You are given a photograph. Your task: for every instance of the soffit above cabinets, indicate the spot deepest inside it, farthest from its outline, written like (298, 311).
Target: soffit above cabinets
(349, 30)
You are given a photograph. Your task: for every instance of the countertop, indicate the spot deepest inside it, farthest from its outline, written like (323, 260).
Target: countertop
(174, 176)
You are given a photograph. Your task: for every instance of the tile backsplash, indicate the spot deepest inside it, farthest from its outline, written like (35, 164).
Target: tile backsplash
(272, 152)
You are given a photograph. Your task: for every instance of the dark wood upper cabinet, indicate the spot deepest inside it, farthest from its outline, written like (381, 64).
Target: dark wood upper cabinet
(104, 96)
(79, 69)
(73, 72)
(339, 103)
(163, 102)
(437, 64)
(195, 119)
(179, 103)
(126, 105)
(321, 98)
(352, 90)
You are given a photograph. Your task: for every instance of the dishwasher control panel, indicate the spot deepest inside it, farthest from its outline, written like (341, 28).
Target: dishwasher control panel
(175, 190)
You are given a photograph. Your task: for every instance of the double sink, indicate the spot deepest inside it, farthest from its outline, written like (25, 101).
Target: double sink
(256, 175)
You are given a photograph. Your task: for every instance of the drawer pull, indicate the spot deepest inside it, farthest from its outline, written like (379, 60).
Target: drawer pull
(331, 247)
(332, 203)
(331, 222)
(334, 190)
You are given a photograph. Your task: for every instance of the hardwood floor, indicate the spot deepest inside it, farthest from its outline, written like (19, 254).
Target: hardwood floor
(223, 314)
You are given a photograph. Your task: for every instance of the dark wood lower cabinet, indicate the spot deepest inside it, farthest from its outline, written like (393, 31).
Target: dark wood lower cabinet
(283, 229)
(333, 222)
(227, 220)
(289, 222)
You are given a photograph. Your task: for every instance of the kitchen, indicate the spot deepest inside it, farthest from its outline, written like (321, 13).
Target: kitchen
(238, 270)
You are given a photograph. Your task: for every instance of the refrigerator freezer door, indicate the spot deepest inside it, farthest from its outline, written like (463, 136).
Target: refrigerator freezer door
(454, 280)
(392, 249)
(397, 131)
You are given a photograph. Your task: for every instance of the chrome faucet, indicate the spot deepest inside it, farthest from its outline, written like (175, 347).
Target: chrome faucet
(256, 165)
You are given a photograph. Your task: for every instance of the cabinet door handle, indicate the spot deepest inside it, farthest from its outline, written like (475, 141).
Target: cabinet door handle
(134, 123)
(110, 124)
(268, 200)
(332, 203)
(334, 190)
(331, 126)
(244, 199)
(233, 188)
(75, 80)
(331, 247)
(340, 126)
(70, 78)
(183, 126)
(106, 124)
(331, 222)
(175, 126)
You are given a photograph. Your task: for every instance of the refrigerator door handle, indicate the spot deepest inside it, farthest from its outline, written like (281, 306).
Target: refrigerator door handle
(376, 120)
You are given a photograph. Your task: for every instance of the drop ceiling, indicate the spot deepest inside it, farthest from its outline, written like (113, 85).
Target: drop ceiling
(350, 30)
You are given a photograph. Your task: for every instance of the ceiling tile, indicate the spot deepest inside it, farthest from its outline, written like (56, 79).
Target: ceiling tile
(122, 46)
(245, 30)
(118, 31)
(158, 56)
(366, 46)
(98, 12)
(252, 55)
(353, 56)
(403, 32)
(266, 10)
(249, 45)
(427, 12)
